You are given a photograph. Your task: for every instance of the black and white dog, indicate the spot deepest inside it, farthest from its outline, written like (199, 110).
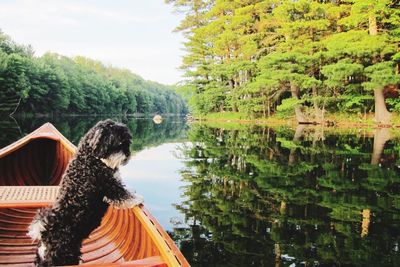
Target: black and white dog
(90, 184)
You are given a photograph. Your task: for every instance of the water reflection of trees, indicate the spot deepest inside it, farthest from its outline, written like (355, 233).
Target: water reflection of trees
(9, 130)
(263, 197)
(145, 132)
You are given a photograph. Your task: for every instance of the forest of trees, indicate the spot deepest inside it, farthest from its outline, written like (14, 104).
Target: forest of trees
(55, 84)
(302, 57)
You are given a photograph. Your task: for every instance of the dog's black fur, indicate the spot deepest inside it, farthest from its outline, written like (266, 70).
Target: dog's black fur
(88, 187)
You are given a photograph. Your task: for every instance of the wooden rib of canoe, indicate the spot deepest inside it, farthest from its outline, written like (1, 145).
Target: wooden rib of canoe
(30, 172)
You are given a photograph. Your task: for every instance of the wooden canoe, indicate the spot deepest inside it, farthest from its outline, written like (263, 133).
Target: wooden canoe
(30, 172)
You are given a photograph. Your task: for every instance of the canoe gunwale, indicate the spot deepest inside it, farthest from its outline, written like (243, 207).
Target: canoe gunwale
(163, 241)
(46, 131)
(170, 253)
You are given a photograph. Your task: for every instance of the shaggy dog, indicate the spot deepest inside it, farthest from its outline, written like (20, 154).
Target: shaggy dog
(90, 184)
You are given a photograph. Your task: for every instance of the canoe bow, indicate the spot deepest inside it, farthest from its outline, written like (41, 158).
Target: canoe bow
(126, 237)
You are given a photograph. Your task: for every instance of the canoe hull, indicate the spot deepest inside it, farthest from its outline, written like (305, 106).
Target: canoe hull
(120, 238)
(128, 237)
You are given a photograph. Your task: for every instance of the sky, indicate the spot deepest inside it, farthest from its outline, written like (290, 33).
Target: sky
(132, 34)
(154, 174)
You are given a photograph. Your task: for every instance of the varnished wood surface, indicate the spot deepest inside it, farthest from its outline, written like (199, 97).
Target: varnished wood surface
(126, 237)
(40, 162)
(119, 238)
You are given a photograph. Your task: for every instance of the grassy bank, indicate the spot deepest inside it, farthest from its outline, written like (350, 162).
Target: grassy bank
(335, 120)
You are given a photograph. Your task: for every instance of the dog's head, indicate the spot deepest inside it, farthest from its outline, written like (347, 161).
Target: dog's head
(109, 141)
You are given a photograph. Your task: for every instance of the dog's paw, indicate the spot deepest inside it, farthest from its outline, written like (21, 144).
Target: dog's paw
(136, 200)
(35, 229)
(42, 250)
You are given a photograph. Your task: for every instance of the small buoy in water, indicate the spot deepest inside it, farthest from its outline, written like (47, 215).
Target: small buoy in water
(157, 119)
(190, 118)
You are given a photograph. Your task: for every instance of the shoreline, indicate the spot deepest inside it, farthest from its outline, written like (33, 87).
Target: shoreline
(333, 121)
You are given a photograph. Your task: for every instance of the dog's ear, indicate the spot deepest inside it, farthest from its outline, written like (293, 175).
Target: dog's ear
(107, 140)
(99, 138)
(95, 138)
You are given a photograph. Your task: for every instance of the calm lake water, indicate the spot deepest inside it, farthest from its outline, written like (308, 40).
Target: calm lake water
(260, 196)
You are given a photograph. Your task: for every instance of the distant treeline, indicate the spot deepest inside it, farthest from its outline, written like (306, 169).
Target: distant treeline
(58, 84)
(304, 57)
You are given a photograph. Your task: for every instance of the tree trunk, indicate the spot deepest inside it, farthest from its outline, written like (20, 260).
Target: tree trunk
(232, 84)
(264, 106)
(382, 115)
(278, 255)
(318, 113)
(381, 136)
(234, 107)
(264, 109)
(282, 209)
(366, 214)
(297, 135)
(373, 26)
(300, 117)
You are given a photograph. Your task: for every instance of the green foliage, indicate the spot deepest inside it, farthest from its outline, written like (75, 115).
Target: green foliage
(61, 85)
(355, 103)
(249, 56)
(394, 104)
(286, 108)
(339, 74)
(225, 115)
(258, 195)
(380, 75)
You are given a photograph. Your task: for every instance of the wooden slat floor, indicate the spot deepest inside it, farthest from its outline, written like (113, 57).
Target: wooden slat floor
(120, 238)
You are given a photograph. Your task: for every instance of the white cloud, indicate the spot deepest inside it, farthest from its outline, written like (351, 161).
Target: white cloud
(61, 11)
(131, 34)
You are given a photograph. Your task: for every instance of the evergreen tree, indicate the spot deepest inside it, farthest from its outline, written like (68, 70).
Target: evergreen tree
(305, 57)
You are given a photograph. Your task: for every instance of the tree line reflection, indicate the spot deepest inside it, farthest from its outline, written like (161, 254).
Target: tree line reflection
(145, 132)
(259, 196)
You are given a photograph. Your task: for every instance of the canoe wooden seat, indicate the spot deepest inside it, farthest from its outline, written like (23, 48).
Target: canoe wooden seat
(27, 196)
